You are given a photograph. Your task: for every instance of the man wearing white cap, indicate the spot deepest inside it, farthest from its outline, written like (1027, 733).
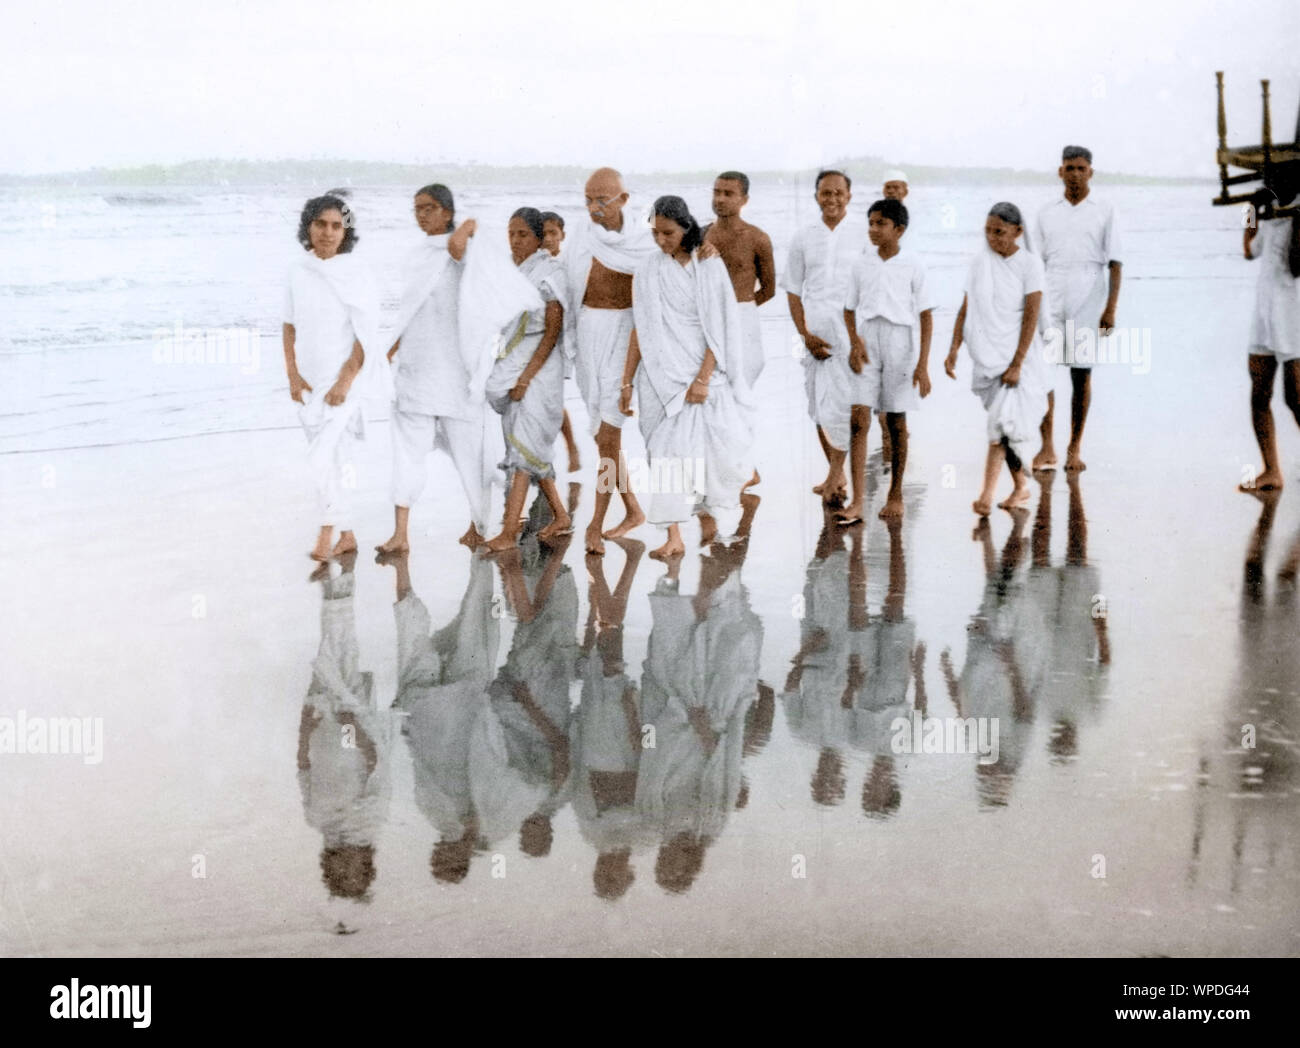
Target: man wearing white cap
(895, 184)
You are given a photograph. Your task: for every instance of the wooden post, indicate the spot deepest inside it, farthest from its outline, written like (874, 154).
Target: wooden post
(1223, 140)
(1267, 134)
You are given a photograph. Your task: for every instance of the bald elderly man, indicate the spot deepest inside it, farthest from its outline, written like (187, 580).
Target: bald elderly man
(600, 261)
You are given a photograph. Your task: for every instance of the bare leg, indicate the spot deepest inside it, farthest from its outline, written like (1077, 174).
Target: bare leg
(1046, 458)
(562, 524)
(748, 507)
(833, 487)
(674, 547)
(708, 528)
(322, 550)
(1263, 369)
(1080, 399)
(983, 505)
(398, 541)
(509, 537)
(859, 430)
(893, 508)
(1020, 494)
(566, 428)
(612, 448)
(885, 455)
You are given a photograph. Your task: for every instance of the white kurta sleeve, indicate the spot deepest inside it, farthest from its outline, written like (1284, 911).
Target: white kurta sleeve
(795, 267)
(1110, 237)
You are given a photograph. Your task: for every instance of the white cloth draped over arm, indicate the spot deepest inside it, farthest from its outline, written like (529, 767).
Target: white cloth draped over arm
(354, 284)
(492, 293)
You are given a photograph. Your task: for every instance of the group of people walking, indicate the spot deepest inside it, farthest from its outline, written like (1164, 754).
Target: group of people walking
(660, 320)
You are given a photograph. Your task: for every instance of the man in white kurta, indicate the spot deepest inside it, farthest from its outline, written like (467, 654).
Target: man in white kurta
(816, 281)
(1077, 238)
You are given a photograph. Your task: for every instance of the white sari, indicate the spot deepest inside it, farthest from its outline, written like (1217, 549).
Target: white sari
(530, 425)
(681, 312)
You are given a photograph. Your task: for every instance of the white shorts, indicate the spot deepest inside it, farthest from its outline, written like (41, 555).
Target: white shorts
(885, 382)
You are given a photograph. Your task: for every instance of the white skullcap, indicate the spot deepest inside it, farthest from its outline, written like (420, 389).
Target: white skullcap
(894, 175)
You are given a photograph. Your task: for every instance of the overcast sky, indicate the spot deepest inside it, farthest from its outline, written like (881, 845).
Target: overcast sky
(669, 84)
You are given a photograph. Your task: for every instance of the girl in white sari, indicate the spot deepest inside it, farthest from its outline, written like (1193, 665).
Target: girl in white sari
(691, 390)
(999, 321)
(330, 312)
(526, 386)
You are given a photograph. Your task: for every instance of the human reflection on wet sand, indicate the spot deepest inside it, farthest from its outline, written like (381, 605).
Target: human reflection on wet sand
(343, 747)
(1248, 774)
(606, 734)
(699, 681)
(1071, 607)
(442, 680)
(849, 680)
(1004, 652)
(1039, 645)
(519, 749)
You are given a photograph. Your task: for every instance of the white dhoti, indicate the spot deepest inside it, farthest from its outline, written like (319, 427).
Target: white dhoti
(830, 384)
(332, 432)
(603, 337)
(709, 447)
(473, 446)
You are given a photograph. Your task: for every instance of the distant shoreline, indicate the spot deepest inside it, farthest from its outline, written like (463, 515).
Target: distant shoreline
(328, 173)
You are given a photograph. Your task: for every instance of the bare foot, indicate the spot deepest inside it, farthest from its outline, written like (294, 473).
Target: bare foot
(395, 544)
(321, 573)
(594, 545)
(1269, 480)
(557, 528)
(850, 514)
(708, 529)
(347, 543)
(472, 538)
(385, 558)
(982, 507)
(1074, 464)
(1045, 459)
(322, 550)
(668, 550)
(1019, 497)
(630, 523)
(500, 543)
(893, 509)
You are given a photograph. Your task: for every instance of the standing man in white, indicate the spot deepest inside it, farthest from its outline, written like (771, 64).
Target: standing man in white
(1078, 240)
(816, 280)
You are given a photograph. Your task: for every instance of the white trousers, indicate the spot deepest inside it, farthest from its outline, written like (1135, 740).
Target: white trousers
(464, 440)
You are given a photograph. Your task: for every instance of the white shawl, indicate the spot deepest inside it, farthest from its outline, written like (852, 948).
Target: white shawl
(492, 293)
(668, 301)
(622, 251)
(352, 282)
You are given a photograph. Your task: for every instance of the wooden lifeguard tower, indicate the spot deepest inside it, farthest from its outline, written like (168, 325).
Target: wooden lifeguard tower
(1262, 162)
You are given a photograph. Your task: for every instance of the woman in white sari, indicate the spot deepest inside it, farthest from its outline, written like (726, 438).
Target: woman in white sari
(526, 386)
(685, 358)
(999, 321)
(330, 312)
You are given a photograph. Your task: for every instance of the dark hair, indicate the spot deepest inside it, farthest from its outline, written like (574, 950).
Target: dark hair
(674, 207)
(532, 218)
(1076, 153)
(736, 176)
(442, 196)
(826, 174)
(551, 216)
(317, 206)
(890, 209)
(1008, 212)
